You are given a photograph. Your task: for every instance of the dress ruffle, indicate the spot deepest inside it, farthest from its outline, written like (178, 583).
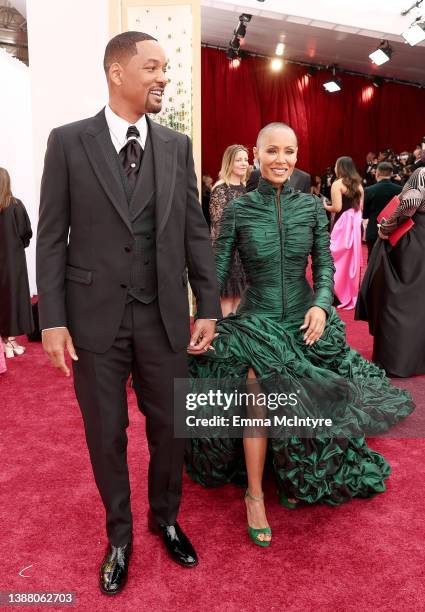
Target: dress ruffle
(327, 469)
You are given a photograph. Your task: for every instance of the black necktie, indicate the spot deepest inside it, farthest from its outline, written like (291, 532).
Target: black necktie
(131, 154)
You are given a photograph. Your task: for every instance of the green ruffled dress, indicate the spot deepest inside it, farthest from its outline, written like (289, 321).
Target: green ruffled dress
(275, 237)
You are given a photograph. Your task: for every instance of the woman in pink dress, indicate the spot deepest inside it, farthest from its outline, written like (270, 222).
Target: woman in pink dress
(2, 358)
(346, 238)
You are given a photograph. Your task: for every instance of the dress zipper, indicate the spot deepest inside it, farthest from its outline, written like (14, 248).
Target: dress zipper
(279, 216)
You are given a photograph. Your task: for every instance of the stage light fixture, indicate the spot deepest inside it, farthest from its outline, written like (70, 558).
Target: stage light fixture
(235, 43)
(233, 50)
(276, 64)
(236, 62)
(415, 34)
(377, 81)
(280, 49)
(240, 31)
(231, 54)
(382, 54)
(311, 70)
(333, 85)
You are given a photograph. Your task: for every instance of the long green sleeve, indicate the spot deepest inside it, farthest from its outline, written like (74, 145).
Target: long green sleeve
(322, 262)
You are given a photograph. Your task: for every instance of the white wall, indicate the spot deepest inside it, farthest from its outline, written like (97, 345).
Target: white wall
(16, 154)
(66, 39)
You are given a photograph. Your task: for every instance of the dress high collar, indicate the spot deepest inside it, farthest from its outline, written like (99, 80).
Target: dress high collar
(266, 188)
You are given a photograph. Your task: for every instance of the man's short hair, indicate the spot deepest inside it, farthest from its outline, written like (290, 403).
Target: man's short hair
(122, 47)
(384, 168)
(273, 126)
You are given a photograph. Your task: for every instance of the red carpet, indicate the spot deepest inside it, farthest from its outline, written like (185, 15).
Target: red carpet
(364, 555)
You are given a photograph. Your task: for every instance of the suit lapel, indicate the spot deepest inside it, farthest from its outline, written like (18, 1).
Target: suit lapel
(103, 158)
(165, 160)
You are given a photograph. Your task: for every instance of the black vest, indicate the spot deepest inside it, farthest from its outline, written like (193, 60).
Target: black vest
(143, 283)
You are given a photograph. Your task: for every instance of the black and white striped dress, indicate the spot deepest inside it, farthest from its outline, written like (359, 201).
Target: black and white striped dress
(412, 201)
(394, 283)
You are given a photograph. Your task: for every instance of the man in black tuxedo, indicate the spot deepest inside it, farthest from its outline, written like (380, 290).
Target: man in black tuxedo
(376, 197)
(299, 180)
(120, 222)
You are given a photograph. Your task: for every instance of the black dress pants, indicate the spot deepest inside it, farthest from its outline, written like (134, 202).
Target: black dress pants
(141, 348)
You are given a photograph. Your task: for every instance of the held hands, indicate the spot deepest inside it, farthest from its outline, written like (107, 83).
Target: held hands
(202, 336)
(54, 343)
(381, 235)
(314, 324)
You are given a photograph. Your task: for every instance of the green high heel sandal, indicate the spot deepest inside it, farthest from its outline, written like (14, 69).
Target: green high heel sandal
(253, 533)
(284, 501)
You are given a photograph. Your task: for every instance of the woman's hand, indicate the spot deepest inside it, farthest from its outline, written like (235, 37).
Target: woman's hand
(381, 235)
(314, 324)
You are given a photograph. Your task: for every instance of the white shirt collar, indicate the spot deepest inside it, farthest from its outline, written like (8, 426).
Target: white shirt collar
(118, 128)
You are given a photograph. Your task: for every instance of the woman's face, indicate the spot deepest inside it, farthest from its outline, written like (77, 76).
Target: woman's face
(277, 155)
(240, 164)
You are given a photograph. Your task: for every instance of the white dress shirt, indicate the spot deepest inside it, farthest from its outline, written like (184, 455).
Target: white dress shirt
(118, 129)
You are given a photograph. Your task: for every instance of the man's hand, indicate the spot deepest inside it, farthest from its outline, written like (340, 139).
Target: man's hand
(381, 235)
(202, 336)
(314, 324)
(54, 343)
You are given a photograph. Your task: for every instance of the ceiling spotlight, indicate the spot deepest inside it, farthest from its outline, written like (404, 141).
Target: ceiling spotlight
(415, 34)
(280, 48)
(276, 64)
(311, 70)
(245, 17)
(236, 62)
(231, 54)
(332, 86)
(240, 31)
(382, 54)
(377, 81)
(408, 10)
(235, 43)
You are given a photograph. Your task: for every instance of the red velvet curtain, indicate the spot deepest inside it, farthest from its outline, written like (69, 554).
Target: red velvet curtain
(237, 102)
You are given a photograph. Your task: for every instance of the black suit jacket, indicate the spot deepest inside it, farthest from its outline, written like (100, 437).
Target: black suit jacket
(376, 197)
(85, 239)
(299, 181)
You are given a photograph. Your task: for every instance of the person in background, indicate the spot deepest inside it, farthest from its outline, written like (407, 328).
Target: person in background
(407, 173)
(370, 168)
(3, 367)
(231, 185)
(206, 195)
(15, 301)
(316, 186)
(376, 197)
(419, 155)
(327, 180)
(391, 295)
(404, 159)
(346, 236)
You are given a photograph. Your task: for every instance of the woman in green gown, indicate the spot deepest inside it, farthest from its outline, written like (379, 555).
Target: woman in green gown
(284, 332)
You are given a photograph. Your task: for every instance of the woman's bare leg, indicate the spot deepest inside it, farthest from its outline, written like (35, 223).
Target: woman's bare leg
(226, 306)
(255, 455)
(235, 303)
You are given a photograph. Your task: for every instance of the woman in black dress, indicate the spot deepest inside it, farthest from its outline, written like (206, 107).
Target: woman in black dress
(15, 302)
(231, 185)
(393, 286)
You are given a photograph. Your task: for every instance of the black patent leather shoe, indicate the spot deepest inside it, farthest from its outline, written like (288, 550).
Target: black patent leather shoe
(176, 542)
(114, 569)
